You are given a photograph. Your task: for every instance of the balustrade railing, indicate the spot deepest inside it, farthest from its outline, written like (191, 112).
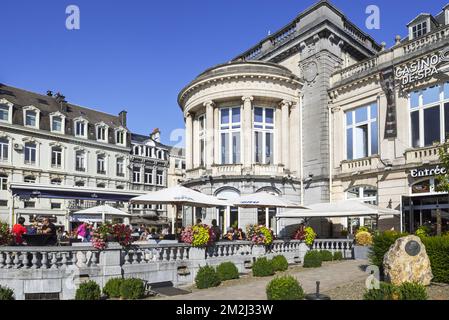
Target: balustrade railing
(335, 245)
(156, 253)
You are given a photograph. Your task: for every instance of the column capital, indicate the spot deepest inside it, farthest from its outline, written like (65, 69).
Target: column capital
(286, 103)
(247, 98)
(209, 104)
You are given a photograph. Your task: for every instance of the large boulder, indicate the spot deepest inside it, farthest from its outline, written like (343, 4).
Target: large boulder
(407, 261)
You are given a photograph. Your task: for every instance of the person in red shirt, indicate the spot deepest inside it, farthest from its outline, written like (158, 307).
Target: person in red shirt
(18, 230)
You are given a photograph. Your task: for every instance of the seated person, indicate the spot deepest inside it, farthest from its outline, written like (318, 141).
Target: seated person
(48, 228)
(18, 230)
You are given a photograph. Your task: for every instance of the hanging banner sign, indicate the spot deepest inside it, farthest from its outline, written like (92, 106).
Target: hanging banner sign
(428, 172)
(421, 69)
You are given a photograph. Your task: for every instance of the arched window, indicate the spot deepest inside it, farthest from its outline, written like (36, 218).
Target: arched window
(367, 194)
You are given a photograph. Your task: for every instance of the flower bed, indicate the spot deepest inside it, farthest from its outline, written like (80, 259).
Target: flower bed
(111, 233)
(198, 236)
(6, 236)
(260, 235)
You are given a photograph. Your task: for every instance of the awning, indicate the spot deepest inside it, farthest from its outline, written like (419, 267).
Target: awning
(339, 209)
(28, 190)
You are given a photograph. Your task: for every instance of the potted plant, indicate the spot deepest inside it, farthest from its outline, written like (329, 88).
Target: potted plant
(107, 233)
(306, 234)
(199, 236)
(363, 243)
(261, 237)
(6, 237)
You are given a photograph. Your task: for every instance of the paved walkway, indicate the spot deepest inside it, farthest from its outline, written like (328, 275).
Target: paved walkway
(331, 276)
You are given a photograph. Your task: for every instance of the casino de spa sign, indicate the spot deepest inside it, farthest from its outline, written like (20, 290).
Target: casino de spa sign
(422, 68)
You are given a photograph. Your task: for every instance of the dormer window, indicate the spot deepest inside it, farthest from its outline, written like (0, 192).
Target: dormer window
(419, 29)
(5, 111)
(120, 137)
(81, 128)
(102, 132)
(31, 117)
(57, 122)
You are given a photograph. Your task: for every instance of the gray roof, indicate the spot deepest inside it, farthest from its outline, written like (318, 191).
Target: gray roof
(140, 138)
(48, 105)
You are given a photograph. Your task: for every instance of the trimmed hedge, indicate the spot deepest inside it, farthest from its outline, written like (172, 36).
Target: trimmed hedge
(312, 259)
(412, 291)
(386, 291)
(326, 255)
(338, 256)
(132, 289)
(438, 251)
(284, 288)
(263, 267)
(89, 290)
(280, 263)
(207, 277)
(112, 288)
(6, 294)
(227, 271)
(381, 244)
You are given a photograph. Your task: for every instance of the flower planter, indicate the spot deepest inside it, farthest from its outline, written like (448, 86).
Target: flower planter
(361, 252)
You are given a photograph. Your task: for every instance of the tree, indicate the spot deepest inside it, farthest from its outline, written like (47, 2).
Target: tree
(443, 181)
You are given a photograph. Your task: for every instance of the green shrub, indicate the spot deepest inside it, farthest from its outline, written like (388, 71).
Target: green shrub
(326, 255)
(227, 271)
(132, 289)
(338, 256)
(284, 288)
(386, 291)
(312, 259)
(112, 288)
(412, 291)
(89, 290)
(381, 244)
(280, 263)
(207, 277)
(438, 251)
(263, 267)
(6, 293)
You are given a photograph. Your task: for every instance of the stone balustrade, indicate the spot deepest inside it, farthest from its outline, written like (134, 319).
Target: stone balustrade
(335, 245)
(59, 270)
(227, 170)
(422, 155)
(359, 165)
(264, 170)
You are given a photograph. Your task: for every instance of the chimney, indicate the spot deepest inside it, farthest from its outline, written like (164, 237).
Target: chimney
(156, 135)
(122, 115)
(49, 93)
(60, 99)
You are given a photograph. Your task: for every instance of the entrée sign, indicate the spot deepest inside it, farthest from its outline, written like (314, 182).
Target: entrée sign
(422, 68)
(419, 173)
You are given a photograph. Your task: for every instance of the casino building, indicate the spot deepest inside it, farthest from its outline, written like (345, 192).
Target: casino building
(318, 112)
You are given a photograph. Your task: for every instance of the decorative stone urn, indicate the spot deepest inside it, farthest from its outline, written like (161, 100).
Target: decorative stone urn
(407, 261)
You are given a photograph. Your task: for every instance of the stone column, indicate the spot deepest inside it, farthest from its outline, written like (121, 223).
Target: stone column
(189, 145)
(285, 108)
(247, 131)
(210, 134)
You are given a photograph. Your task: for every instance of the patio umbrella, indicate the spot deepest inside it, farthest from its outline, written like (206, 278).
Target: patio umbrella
(179, 196)
(264, 200)
(94, 213)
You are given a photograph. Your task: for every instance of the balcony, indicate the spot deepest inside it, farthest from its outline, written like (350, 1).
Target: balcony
(359, 165)
(422, 155)
(195, 173)
(227, 170)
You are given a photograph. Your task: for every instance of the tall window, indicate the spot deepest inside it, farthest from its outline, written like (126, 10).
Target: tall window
(136, 174)
(362, 132)
(30, 118)
(80, 129)
(3, 182)
(56, 124)
(419, 29)
(120, 167)
(367, 194)
(80, 161)
(263, 135)
(30, 153)
(160, 178)
(148, 176)
(230, 128)
(120, 137)
(429, 116)
(202, 137)
(102, 133)
(4, 149)
(4, 113)
(101, 164)
(56, 157)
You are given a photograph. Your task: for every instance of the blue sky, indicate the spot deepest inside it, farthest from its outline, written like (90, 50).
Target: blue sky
(137, 55)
